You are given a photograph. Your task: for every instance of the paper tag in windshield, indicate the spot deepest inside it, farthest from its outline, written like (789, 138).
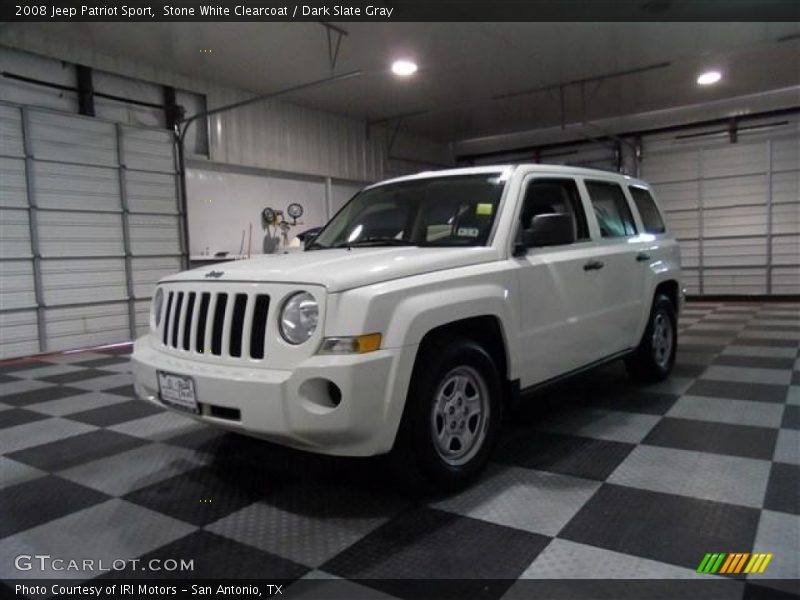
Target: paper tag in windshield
(468, 231)
(483, 209)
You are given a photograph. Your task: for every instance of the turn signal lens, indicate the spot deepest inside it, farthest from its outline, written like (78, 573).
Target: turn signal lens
(359, 344)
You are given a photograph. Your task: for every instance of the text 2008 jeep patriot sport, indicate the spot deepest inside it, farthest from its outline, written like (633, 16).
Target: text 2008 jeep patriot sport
(419, 312)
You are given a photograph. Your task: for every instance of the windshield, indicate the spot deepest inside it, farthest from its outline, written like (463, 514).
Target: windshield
(441, 211)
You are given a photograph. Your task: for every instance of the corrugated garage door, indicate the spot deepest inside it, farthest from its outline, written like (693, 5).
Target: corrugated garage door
(735, 207)
(90, 220)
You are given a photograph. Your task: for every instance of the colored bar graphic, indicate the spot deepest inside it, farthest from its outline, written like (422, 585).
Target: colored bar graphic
(733, 563)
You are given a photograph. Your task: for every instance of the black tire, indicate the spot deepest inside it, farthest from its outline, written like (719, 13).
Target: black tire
(416, 454)
(652, 361)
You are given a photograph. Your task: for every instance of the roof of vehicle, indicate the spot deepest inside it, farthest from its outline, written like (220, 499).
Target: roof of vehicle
(508, 169)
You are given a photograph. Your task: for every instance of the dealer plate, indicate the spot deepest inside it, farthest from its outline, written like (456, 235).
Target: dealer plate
(177, 391)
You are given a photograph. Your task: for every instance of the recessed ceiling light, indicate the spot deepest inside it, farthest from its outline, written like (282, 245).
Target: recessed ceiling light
(404, 68)
(709, 78)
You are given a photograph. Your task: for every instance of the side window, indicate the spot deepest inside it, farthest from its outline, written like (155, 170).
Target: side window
(651, 218)
(548, 196)
(611, 209)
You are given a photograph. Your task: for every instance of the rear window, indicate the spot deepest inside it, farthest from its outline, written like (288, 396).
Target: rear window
(611, 209)
(651, 218)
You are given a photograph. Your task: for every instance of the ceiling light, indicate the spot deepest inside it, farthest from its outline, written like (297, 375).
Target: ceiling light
(709, 78)
(404, 68)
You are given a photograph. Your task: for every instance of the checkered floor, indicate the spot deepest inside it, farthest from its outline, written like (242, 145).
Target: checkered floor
(601, 478)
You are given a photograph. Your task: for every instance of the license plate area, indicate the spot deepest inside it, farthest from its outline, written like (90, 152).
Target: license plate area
(178, 391)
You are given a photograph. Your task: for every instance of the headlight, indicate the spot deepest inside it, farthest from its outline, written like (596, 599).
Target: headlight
(298, 318)
(157, 305)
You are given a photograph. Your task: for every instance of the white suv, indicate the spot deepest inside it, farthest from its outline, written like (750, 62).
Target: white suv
(421, 311)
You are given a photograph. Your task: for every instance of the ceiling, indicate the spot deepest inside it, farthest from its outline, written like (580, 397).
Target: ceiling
(464, 66)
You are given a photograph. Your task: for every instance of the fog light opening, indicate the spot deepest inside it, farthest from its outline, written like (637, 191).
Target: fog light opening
(320, 393)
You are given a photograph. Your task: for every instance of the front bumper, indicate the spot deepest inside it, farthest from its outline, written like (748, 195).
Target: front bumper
(288, 406)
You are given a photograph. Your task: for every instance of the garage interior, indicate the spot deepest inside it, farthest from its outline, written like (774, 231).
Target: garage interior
(599, 478)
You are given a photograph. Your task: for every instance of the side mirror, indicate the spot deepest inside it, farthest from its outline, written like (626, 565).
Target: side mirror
(549, 230)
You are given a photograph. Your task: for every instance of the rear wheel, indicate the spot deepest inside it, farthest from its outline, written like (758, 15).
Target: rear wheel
(655, 356)
(453, 414)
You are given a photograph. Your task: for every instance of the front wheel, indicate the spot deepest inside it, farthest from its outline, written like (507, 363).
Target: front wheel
(655, 356)
(453, 414)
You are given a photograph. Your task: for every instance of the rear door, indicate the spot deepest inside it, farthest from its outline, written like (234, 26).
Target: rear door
(558, 298)
(618, 264)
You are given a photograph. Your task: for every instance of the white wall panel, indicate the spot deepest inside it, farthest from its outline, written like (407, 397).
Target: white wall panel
(56, 136)
(154, 234)
(680, 164)
(147, 272)
(682, 195)
(735, 281)
(341, 193)
(729, 160)
(739, 252)
(13, 188)
(17, 289)
(80, 234)
(151, 192)
(20, 334)
(142, 316)
(742, 220)
(15, 238)
(34, 65)
(148, 149)
(735, 191)
(125, 87)
(786, 250)
(76, 187)
(75, 281)
(786, 218)
(683, 224)
(786, 280)
(786, 186)
(11, 131)
(81, 327)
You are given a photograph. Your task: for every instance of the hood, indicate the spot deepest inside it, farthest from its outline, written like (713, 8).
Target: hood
(342, 269)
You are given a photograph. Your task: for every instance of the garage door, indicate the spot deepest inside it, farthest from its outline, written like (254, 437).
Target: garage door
(90, 221)
(735, 207)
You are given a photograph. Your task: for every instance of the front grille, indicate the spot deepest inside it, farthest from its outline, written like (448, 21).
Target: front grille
(215, 323)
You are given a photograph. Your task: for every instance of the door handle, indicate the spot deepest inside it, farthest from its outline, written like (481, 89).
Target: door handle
(593, 265)
(642, 256)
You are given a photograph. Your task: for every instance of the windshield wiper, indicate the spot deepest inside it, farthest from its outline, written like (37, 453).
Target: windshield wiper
(376, 241)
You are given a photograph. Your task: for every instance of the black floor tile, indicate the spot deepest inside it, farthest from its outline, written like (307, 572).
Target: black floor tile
(105, 416)
(11, 367)
(791, 417)
(665, 527)
(74, 376)
(7, 378)
(760, 592)
(205, 439)
(430, 544)
(97, 363)
(736, 390)
(783, 489)
(795, 377)
(217, 557)
(764, 342)
(76, 450)
(55, 392)
(635, 401)
(19, 416)
(200, 496)
(759, 362)
(123, 390)
(718, 438)
(35, 502)
(588, 458)
(701, 348)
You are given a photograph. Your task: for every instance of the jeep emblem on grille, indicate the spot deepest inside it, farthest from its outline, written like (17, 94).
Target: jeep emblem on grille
(215, 274)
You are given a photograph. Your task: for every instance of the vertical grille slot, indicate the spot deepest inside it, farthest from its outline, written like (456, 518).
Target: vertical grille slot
(187, 328)
(259, 329)
(237, 324)
(167, 315)
(219, 322)
(202, 319)
(176, 321)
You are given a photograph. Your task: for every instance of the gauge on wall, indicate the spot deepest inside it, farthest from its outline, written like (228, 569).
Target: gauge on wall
(268, 215)
(295, 210)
